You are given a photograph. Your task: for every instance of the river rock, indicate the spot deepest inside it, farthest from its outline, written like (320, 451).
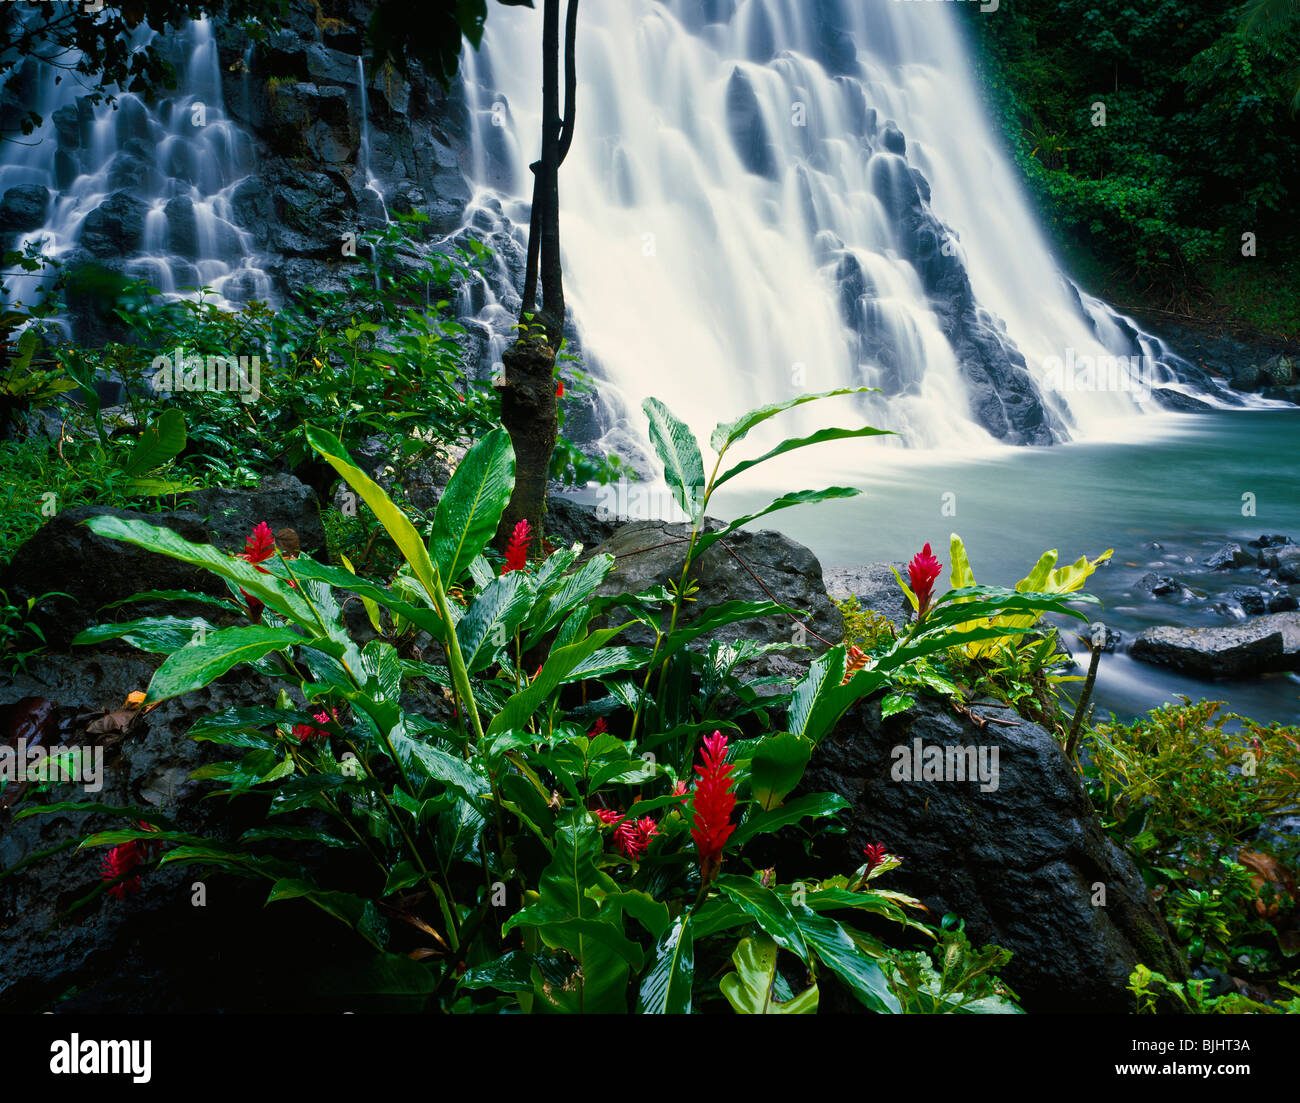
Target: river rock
(1161, 586)
(1283, 562)
(1228, 556)
(1271, 540)
(1259, 646)
(1022, 864)
(1257, 600)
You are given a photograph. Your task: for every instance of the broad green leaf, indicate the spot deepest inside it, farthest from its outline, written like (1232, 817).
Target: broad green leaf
(272, 592)
(490, 622)
(666, 986)
(797, 498)
(160, 635)
(471, 506)
(395, 522)
(727, 433)
(767, 908)
(838, 952)
(819, 437)
(680, 453)
(195, 666)
(161, 442)
(810, 804)
(777, 764)
(749, 988)
(438, 765)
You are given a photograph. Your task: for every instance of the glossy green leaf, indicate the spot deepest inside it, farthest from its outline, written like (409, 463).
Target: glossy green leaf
(161, 442)
(471, 506)
(666, 986)
(767, 908)
(727, 433)
(395, 522)
(680, 453)
(749, 988)
(198, 664)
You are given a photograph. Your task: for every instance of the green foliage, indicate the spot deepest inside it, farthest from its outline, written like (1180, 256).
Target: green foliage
(480, 821)
(1201, 142)
(1187, 789)
(954, 977)
(1154, 993)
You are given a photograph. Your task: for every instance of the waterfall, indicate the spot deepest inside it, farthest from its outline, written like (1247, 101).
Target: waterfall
(771, 197)
(144, 189)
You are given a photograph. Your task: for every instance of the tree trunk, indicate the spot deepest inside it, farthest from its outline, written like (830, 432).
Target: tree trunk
(528, 405)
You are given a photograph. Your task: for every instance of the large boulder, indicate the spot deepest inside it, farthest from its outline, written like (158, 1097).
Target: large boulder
(747, 566)
(65, 556)
(23, 208)
(1259, 646)
(1020, 857)
(154, 951)
(282, 501)
(115, 228)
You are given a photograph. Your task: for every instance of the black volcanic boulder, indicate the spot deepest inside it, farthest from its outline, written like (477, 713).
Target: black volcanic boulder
(65, 556)
(1259, 646)
(752, 566)
(1025, 864)
(23, 208)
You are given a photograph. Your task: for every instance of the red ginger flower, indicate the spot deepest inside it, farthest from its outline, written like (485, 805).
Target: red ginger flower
(258, 548)
(517, 549)
(631, 837)
(876, 854)
(306, 732)
(121, 860)
(599, 727)
(922, 572)
(559, 388)
(715, 800)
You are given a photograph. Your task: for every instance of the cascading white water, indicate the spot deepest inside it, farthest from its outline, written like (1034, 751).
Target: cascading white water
(176, 165)
(739, 216)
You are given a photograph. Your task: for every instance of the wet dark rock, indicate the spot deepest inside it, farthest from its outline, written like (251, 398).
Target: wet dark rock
(282, 501)
(651, 553)
(153, 951)
(569, 522)
(22, 208)
(875, 587)
(1256, 601)
(1023, 864)
(1229, 556)
(115, 227)
(1172, 399)
(745, 124)
(63, 555)
(1282, 563)
(1162, 586)
(1271, 540)
(1263, 645)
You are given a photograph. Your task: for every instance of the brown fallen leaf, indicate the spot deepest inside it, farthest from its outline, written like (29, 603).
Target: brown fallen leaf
(1267, 870)
(116, 721)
